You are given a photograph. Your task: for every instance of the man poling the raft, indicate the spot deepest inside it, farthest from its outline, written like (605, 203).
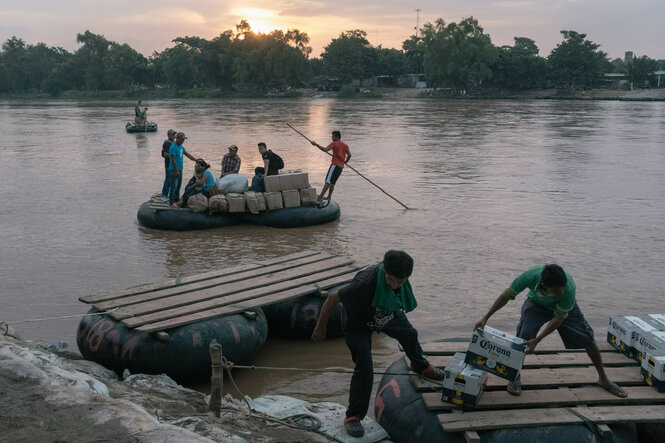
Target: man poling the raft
(376, 300)
(551, 302)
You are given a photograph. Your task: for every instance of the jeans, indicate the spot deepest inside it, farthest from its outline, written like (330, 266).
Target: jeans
(359, 342)
(175, 183)
(167, 182)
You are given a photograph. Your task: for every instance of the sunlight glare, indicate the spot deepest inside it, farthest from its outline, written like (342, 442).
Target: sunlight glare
(261, 20)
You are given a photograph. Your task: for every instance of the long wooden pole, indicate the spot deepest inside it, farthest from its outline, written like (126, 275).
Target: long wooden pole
(217, 378)
(353, 169)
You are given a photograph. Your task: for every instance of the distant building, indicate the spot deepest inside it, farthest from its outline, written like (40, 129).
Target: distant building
(628, 57)
(412, 81)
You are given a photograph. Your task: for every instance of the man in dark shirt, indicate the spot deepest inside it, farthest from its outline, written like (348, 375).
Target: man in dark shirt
(165, 154)
(270, 162)
(376, 300)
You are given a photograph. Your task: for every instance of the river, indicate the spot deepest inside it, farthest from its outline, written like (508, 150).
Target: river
(494, 186)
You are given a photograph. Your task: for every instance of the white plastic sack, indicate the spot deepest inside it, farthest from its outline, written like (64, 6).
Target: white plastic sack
(232, 183)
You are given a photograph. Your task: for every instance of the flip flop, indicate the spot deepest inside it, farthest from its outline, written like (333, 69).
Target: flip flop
(614, 389)
(514, 387)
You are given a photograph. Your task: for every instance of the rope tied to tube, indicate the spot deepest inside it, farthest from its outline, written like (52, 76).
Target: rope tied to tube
(57, 318)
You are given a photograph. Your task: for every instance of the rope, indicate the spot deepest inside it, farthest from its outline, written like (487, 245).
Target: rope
(56, 318)
(229, 365)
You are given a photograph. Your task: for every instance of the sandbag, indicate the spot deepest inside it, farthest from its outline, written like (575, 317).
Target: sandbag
(232, 183)
(255, 202)
(218, 203)
(198, 203)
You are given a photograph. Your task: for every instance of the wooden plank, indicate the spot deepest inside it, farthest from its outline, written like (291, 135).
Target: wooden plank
(540, 398)
(248, 276)
(235, 298)
(264, 281)
(239, 307)
(552, 378)
(484, 420)
(556, 360)
(94, 298)
(471, 437)
(449, 348)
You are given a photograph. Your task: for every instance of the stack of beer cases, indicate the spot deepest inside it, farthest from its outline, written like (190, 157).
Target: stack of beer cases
(490, 351)
(642, 338)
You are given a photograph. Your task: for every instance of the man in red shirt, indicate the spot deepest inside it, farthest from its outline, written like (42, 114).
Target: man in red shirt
(340, 156)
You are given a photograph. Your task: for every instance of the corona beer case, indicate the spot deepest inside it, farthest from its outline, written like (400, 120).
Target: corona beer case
(652, 370)
(462, 384)
(660, 318)
(623, 332)
(651, 342)
(496, 352)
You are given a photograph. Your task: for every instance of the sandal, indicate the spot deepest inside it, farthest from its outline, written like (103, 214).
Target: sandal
(614, 389)
(514, 387)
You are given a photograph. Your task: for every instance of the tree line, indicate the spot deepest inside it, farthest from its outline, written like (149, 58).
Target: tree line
(456, 56)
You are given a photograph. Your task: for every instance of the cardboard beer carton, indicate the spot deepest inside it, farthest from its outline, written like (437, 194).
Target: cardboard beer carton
(462, 384)
(652, 370)
(286, 182)
(660, 318)
(650, 342)
(496, 352)
(623, 332)
(273, 183)
(291, 198)
(236, 202)
(218, 203)
(300, 180)
(273, 200)
(308, 196)
(261, 200)
(252, 201)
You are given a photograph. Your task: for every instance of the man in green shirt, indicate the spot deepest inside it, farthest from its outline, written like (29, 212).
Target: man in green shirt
(551, 300)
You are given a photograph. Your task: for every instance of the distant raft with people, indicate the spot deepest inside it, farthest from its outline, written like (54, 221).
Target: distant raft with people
(134, 128)
(289, 202)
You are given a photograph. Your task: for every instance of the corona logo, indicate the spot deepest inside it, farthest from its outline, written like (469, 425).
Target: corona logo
(492, 347)
(619, 328)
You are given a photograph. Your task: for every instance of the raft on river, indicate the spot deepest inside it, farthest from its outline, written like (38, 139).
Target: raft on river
(560, 402)
(167, 327)
(152, 215)
(149, 127)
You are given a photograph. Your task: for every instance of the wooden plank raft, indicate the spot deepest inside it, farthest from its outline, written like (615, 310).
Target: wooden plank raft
(177, 302)
(557, 387)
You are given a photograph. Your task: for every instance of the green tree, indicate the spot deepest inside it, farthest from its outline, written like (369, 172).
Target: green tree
(519, 67)
(577, 62)
(90, 60)
(457, 55)
(349, 56)
(413, 51)
(641, 70)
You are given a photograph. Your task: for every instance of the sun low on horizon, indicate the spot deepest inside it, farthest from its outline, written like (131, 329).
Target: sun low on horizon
(261, 20)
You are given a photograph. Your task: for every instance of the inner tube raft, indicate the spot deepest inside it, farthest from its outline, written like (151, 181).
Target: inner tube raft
(132, 128)
(186, 220)
(183, 356)
(401, 411)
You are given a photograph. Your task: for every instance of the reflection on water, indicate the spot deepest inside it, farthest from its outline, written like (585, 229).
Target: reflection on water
(496, 187)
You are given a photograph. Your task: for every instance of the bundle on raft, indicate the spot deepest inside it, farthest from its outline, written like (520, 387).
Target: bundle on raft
(560, 401)
(289, 202)
(148, 127)
(168, 327)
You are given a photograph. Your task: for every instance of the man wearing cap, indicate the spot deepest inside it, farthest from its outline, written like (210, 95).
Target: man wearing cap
(167, 161)
(176, 152)
(231, 162)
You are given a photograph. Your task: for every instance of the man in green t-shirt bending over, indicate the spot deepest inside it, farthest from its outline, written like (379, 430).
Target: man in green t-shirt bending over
(551, 300)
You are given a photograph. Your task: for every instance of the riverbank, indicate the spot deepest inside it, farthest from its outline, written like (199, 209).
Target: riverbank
(58, 396)
(361, 93)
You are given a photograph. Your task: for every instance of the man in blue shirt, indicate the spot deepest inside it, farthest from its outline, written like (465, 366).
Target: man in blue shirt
(167, 162)
(176, 152)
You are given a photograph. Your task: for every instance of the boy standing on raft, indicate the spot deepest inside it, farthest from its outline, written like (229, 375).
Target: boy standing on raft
(551, 300)
(376, 300)
(340, 156)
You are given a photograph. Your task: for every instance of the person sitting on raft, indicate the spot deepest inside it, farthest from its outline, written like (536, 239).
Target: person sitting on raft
(551, 300)
(231, 162)
(257, 181)
(200, 183)
(376, 300)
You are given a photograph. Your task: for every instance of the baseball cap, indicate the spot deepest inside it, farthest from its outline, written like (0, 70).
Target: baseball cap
(171, 131)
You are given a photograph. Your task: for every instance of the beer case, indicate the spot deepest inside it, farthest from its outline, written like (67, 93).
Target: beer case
(273, 200)
(650, 342)
(652, 369)
(286, 182)
(462, 384)
(291, 198)
(623, 332)
(236, 202)
(308, 196)
(496, 352)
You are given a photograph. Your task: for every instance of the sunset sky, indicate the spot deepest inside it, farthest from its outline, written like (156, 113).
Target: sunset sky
(150, 25)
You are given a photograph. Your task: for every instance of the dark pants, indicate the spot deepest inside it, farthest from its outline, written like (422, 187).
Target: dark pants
(174, 186)
(167, 182)
(359, 342)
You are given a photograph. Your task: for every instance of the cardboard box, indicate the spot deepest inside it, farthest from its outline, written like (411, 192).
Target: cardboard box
(462, 384)
(273, 183)
(291, 198)
(496, 352)
(623, 332)
(652, 370)
(660, 318)
(236, 202)
(252, 202)
(273, 200)
(300, 181)
(218, 203)
(286, 182)
(650, 342)
(308, 196)
(261, 200)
